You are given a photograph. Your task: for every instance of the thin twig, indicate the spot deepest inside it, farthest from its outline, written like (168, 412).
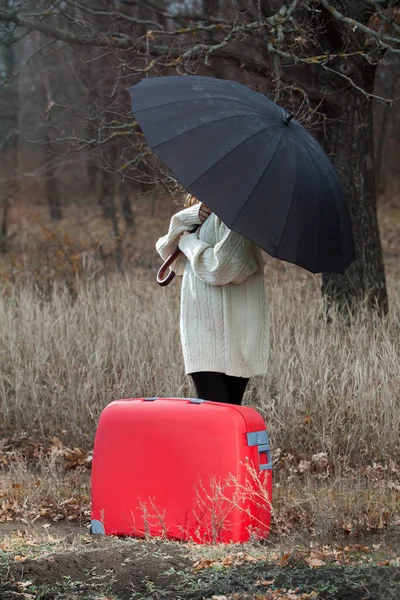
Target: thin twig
(380, 99)
(110, 14)
(354, 25)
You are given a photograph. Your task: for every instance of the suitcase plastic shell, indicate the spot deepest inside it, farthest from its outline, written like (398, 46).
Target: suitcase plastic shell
(182, 469)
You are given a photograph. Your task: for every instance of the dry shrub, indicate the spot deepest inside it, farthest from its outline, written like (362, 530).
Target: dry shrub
(44, 492)
(64, 360)
(337, 508)
(42, 254)
(56, 257)
(331, 388)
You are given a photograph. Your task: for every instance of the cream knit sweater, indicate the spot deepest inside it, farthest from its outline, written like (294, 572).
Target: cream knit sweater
(224, 317)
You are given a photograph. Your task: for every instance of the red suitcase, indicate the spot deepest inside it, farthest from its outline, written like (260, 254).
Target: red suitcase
(183, 469)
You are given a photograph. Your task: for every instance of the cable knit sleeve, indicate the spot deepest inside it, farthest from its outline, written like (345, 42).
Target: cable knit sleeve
(231, 260)
(182, 221)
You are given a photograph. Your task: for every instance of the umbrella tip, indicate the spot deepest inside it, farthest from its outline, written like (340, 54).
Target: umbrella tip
(288, 118)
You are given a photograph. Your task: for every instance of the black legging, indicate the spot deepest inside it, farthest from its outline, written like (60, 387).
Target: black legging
(219, 387)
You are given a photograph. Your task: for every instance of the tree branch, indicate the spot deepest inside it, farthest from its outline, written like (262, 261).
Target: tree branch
(119, 41)
(380, 99)
(353, 24)
(116, 15)
(152, 5)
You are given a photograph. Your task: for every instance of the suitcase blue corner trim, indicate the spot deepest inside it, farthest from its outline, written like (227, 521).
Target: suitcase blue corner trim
(97, 527)
(256, 438)
(261, 439)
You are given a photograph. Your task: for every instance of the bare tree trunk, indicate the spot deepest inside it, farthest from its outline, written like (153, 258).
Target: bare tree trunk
(388, 113)
(110, 208)
(106, 193)
(53, 195)
(381, 150)
(124, 187)
(9, 109)
(93, 174)
(126, 207)
(349, 140)
(4, 226)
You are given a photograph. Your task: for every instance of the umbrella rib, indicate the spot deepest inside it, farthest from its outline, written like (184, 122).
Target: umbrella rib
(203, 125)
(308, 148)
(259, 179)
(257, 100)
(235, 88)
(196, 111)
(289, 209)
(184, 100)
(230, 151)
(175, 137)
(304, 140)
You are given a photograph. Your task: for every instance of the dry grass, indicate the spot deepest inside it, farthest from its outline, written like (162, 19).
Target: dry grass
(31, 493)
(331, 399)
(340, 508)
(330, 388)
(84, 243)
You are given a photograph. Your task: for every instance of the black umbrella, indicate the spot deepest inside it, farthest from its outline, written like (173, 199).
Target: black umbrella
(252, 164)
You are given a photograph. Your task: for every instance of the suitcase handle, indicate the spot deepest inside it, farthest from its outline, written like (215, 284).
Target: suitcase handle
(265, 449)
(261, 440)
(191, 400)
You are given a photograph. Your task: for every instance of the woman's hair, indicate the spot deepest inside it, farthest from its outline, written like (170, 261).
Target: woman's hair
(190, 200)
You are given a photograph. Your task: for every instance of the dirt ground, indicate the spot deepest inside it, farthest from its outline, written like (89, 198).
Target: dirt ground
(65, 562)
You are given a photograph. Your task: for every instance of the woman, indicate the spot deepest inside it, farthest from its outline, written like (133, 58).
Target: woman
(224, 317)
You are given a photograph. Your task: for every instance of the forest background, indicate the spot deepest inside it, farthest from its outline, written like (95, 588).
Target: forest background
(82, 202)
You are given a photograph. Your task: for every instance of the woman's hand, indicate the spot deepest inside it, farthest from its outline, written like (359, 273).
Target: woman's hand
(204, 212)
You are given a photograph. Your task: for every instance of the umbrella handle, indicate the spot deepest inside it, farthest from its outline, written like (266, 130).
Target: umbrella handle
(163, 279)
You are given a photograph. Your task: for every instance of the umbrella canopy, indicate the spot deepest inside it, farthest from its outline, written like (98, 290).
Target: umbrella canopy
(252, 164)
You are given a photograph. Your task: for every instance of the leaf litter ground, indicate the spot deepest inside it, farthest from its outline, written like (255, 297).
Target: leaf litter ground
(61, 562)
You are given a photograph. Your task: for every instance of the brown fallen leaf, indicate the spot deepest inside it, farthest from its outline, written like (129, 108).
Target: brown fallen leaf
(313, 562)
(358, 548)
(20, 558)
(261, 582)
(23, 584)
(205, 563)
(284, 559)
